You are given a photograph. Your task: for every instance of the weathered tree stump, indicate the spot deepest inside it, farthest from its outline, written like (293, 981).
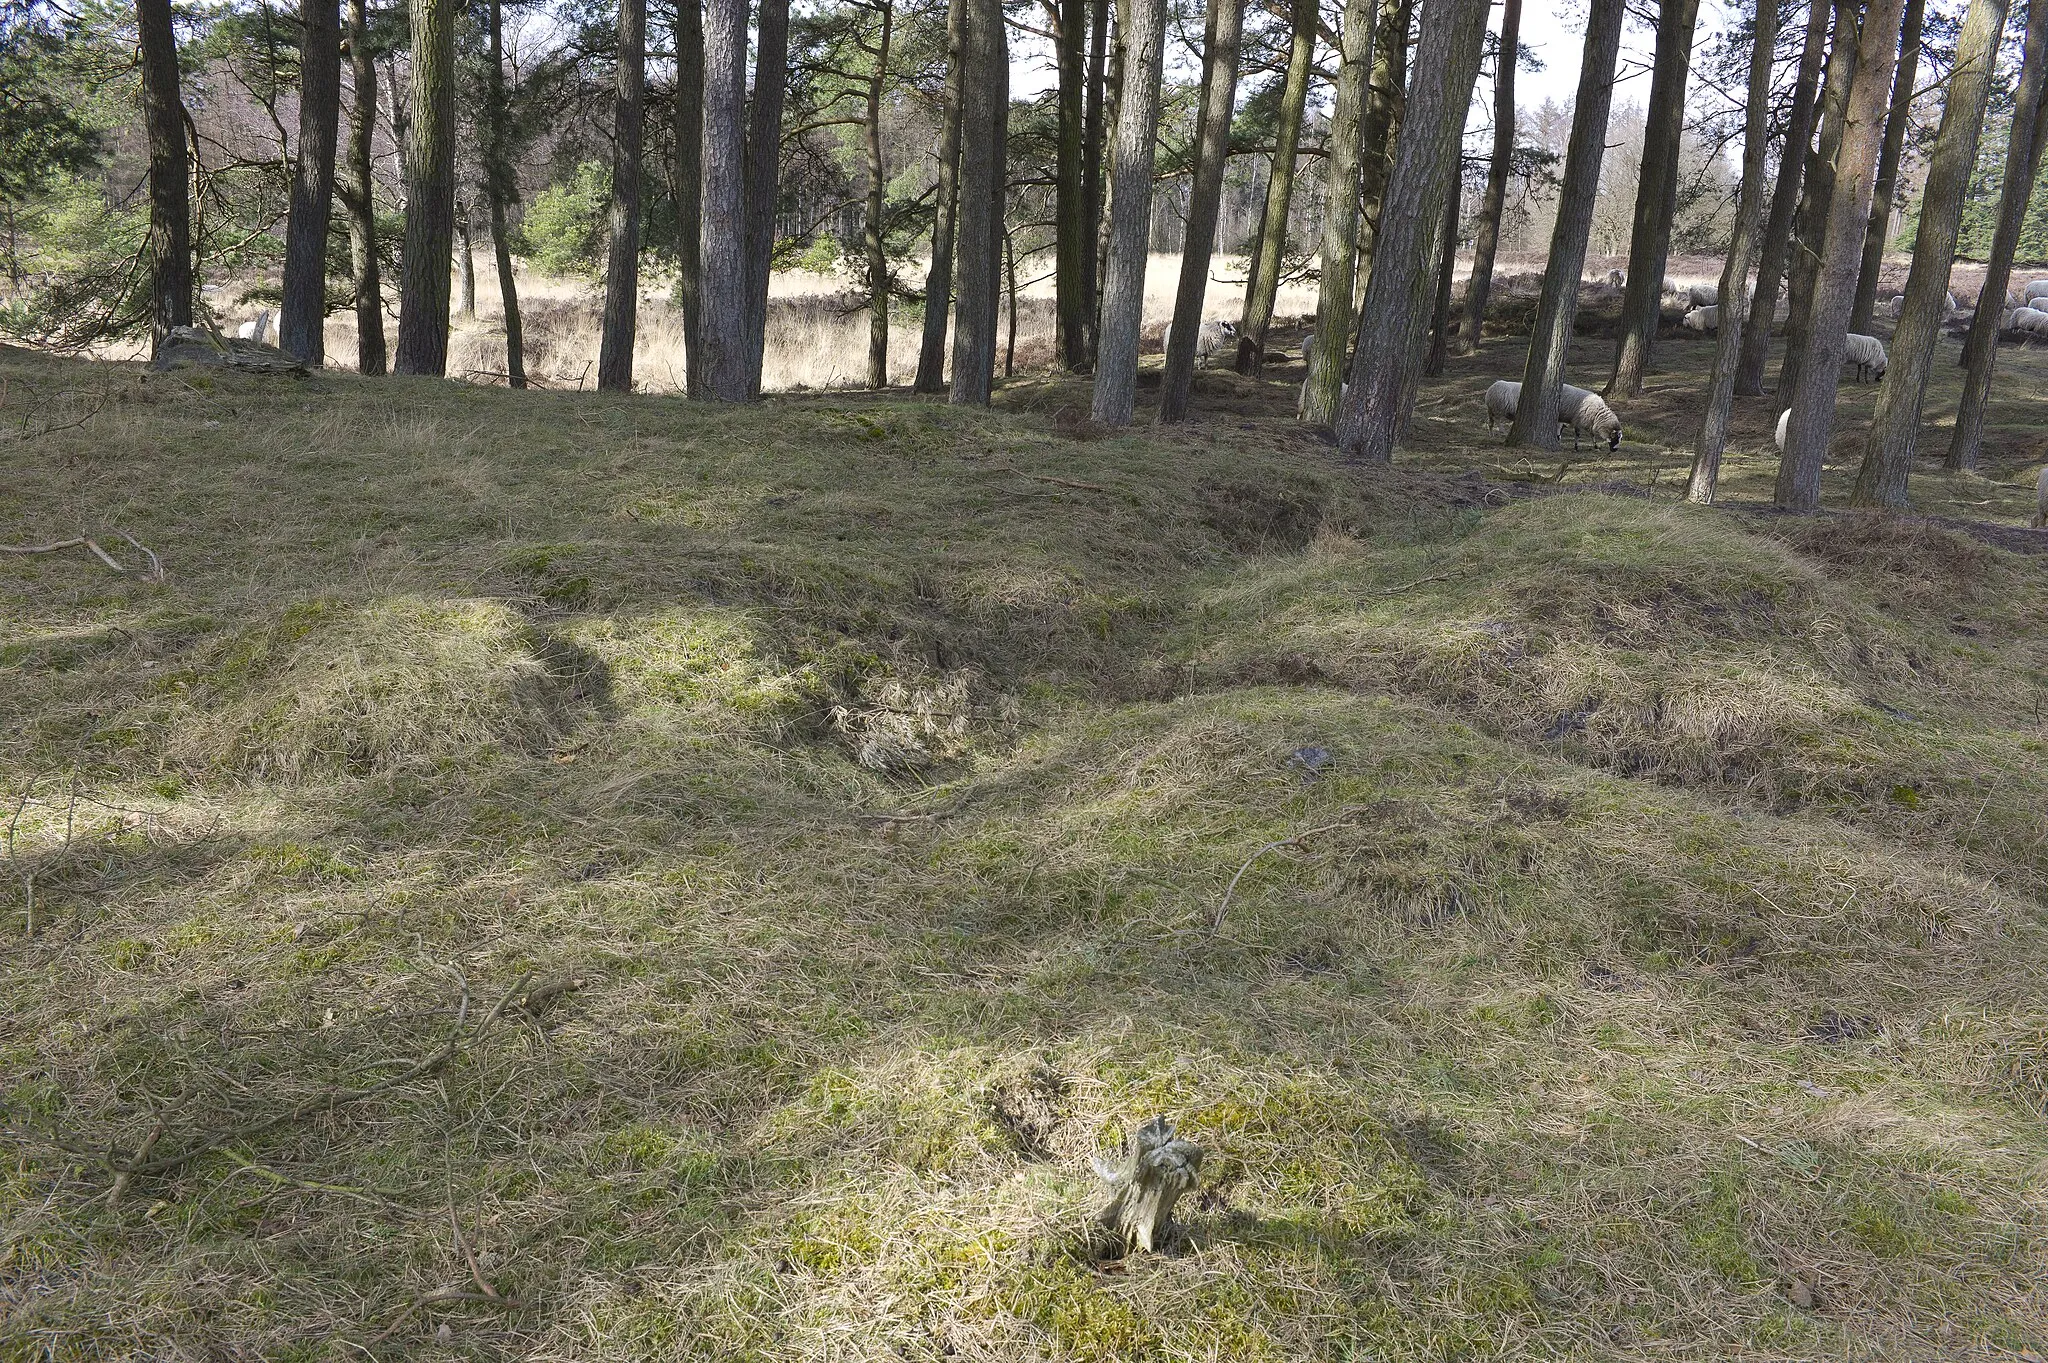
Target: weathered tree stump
(1150, 1175)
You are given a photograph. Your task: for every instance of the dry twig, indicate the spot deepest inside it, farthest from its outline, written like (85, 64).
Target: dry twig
(154, 573)
(1295, 840)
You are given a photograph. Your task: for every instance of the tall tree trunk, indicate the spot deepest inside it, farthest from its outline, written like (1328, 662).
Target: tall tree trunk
(1130, 209)
(1813, 400)
(1010, 286)
(1073, 234)
(1091, 167)
(878, 260)
(303, 316)
(429, 192)
(360, 198)
(1262, 290)
(1705, 478)
(1656, 196)
(1339, 243)
(465, 264)
(724, 245)
(1386, 97)
(1557, 308)
(938, 280)
(500, 188)
(1387, 365)
(1486, 234)
(622, 260)
(1895, 426)
(1385, 105)
(2022, 165)
(170, 198)
(1776, 246)
(1225, 32)
(1881, 202)
(1446, 276)
(1823, 169)
(985, 93)
(688, 189)
(1113, 90)
(764, 174)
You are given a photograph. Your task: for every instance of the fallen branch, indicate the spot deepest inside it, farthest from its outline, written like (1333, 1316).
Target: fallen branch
(154, 573)
(1048, 478)
(140, 1164)
(1216, 922)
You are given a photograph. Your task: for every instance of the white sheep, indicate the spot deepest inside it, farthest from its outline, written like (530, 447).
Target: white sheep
(1867, 354)
(1784, 421)
(1705, 318)
(2032, 320)
(1587, 413)
(1703, 295)
(1616, 279)
(2041, 502)
(1501, 401)
(1949, 306)
(1895, 308)
(1210, 337)
(258, 327)
(2037, 289)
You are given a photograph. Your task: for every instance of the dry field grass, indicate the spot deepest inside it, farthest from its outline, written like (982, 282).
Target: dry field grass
(559, 876)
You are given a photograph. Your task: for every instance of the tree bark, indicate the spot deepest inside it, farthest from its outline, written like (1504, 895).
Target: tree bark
(1386, 367)
(1339, 244)
(429, 192)
(724, 245)
(1130, 209)
(1656, 196)
(1385, 103)
(1895, 426)
(764, 175)
(1073, 232)
(1446, 277)
(977, 280)
(303, 316)
(1888, 169)
(361, 200)
(938, 282)
(622, 261)
(1557, 308)
(170, 200)
(500, 188)
(1486, 233)
(1705, 477)
(878, 261)
(465, 264)
(1262, 290)
(1113, 89)
(2022, 165)
(1776, 246)
(688, 189)
(1091, 168)
(1822, 172)
(1225, 32)
(1813, 399)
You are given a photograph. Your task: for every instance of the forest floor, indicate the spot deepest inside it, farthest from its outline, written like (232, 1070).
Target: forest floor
(560, 876)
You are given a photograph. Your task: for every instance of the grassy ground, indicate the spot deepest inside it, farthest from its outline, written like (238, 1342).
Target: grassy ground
(556, 876)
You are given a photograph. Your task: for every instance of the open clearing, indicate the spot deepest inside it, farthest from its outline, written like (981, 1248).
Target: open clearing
(554, 876)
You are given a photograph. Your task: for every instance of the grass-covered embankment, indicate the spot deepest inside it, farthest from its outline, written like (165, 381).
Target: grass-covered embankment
(1668, 978)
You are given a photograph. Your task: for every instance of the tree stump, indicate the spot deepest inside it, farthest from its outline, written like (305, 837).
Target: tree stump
(1150, 1175)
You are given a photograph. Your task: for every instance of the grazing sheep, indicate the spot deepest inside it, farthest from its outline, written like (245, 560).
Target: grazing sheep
(1895, 308)
(1784, 421)
(257, 328)
(1867, 354)
(1703, 295)
(1583, 412)
(1949, 306)
(1588, 414)
(1210, 337)
(2041, 502)
(1616, 279)
(1501, 401)
(1706, 318)
(2037, 289)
